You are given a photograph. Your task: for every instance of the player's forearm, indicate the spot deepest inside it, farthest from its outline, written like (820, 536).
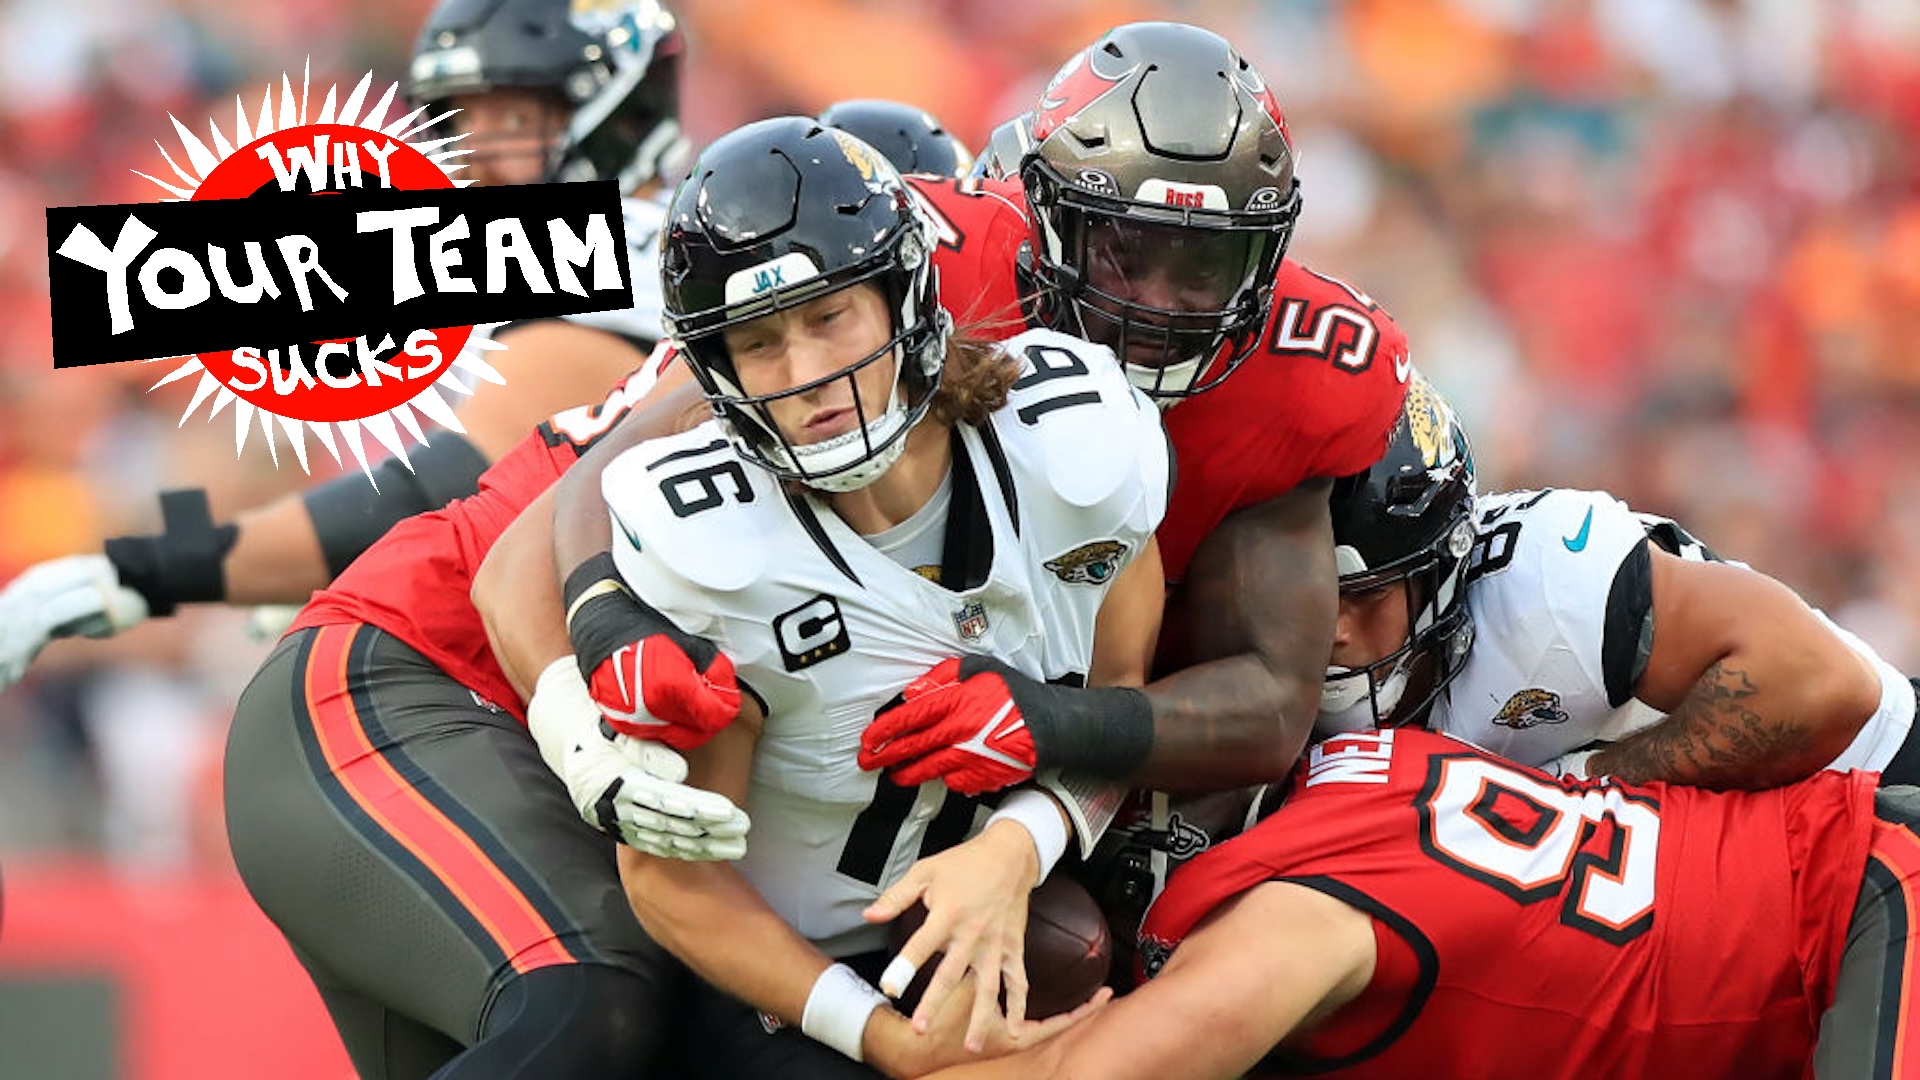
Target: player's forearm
(518, 600)
(716, 923)
(713, 920)
(1748, 723)
(276, 557)
(1226, 723)
(581, 527)
(1261, 598)
(1758, 689)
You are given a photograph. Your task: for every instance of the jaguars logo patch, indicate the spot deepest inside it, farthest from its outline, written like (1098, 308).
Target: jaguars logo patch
(1531, 708)
(1088, 564)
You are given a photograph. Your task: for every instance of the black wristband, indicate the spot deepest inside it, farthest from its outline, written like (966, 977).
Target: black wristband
(1105, 731)
(184, 564)
(603, 615)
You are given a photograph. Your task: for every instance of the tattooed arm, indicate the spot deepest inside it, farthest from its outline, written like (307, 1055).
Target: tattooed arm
(1758, 690)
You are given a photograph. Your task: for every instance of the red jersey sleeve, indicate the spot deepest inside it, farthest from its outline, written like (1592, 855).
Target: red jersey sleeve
(413, 583)
(1318, 398)
(982, 224)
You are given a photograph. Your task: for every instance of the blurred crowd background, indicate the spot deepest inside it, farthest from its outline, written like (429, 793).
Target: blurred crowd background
(1670, 248)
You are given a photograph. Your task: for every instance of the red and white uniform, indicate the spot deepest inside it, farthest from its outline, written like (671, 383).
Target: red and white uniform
(1531, 928)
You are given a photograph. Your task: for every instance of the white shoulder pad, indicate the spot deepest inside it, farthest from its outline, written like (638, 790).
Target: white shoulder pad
(643, 221)
(1074, 418)
(686, 505)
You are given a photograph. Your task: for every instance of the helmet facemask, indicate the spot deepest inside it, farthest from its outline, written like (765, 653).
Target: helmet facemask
(902, 268)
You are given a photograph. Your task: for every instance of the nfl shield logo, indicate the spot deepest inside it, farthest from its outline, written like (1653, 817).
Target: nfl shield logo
(971, 621)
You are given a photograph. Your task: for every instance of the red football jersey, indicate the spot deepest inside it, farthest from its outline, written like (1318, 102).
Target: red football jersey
(1533, 928)
(1318, 398)
(413, 582)
(982, 224)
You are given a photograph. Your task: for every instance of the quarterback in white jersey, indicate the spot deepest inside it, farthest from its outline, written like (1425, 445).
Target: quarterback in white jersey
(1560, 628)
(873, 498)
(826, 626)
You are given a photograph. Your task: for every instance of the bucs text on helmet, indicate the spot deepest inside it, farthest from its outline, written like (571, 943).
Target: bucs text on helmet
(780, 213)
(614, 63)
(1406, 521)
(910, 137)
(1161, 178)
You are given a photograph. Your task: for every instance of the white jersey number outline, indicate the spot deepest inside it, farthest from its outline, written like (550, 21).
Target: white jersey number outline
(1595, 852)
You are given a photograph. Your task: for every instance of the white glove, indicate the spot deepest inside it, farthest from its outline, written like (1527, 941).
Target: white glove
(1571, 765)
(77, 594)
(631, 789)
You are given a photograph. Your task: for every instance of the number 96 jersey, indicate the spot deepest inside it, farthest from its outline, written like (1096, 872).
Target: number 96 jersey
(1529, 928)
(1049, 502)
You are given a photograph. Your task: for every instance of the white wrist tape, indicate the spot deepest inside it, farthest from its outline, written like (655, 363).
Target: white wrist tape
(1039, 814)
(838, 1008)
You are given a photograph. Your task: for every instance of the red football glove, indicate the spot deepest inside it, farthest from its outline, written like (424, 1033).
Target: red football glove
(652, 689)
(958, 723)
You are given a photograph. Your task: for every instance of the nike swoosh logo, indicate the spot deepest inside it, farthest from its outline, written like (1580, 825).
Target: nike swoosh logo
(632, 537)
(994, 730)
(1578, 541)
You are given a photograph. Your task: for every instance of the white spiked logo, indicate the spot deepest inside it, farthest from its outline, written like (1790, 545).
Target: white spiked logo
(384, 426)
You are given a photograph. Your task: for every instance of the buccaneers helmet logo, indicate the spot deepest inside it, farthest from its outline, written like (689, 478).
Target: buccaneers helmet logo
(1531, 708)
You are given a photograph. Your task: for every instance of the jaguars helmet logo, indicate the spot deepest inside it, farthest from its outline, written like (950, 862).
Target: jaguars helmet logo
(1430, 419)
(875, 170)
(1531, 708)
(1088, 564)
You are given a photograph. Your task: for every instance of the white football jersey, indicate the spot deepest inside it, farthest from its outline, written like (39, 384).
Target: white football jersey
(1557, 622)
(1050, 501)
(644, 219)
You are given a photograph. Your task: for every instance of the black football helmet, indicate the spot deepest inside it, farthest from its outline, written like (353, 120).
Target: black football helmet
(780, 213)
(616, 63)
(1408, 520)
(910, 137)
(1163, 196)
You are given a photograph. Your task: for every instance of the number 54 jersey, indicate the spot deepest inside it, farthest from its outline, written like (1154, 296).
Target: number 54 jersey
(1049, 502)
(1529, 928)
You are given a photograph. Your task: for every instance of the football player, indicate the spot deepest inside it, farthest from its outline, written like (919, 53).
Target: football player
(1162, 198)
(1560, 628)
(388, 810)
(849, 517)
(544, 92)
(1419, 907)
